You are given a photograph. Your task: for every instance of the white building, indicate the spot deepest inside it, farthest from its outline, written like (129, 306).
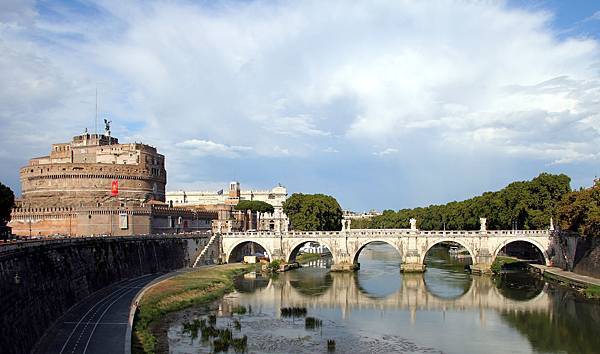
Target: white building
(276, 196)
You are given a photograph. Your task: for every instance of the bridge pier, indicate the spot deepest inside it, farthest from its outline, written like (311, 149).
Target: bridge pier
(482, 264)
(412, 262)
(481, 268)
(345, 267)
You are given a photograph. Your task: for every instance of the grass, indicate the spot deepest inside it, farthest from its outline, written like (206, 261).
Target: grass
(312, 323)
(331, 345)
(293, 311)
(501, 261)
(239, 309)
(197, 287)
(592, 292)
(307, 257)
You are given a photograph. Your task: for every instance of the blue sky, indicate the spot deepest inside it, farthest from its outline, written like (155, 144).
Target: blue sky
(383, 104)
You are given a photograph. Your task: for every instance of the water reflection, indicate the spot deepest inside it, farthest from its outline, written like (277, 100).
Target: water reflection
(519, 285)
(378, 261)
(378, 309)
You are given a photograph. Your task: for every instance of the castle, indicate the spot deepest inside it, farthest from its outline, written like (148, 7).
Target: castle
(94, 185)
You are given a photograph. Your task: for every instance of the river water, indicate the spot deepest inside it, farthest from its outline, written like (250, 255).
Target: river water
(380, 310)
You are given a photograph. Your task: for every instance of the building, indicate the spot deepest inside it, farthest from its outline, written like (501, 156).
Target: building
(81, 172)
(354, 215)
(94, 185)
(237, 220)
(275, 196)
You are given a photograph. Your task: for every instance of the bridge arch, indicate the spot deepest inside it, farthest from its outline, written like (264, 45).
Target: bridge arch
(359, 249)
(523, 239)
(296, 245)
(246, 240)
(448, 239)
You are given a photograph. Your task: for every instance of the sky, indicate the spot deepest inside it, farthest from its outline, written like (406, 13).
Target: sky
(382, 104)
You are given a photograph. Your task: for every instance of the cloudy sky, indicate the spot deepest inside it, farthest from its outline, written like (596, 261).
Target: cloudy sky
(383, 104)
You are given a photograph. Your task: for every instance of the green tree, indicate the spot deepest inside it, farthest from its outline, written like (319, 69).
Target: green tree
(313, 212)
(254, 205)
(579, 211)
(528, 204)
(7, 201)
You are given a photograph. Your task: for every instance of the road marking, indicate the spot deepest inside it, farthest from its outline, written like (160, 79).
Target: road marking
(102, 315)
(99, 302)
(101, 323)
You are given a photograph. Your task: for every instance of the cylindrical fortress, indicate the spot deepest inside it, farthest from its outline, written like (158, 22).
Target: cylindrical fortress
(81, 173)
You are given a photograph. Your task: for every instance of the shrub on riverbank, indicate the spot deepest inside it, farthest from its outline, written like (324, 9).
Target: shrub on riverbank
(274, 265)
(592, 292)
(501, 261)
(196, 287)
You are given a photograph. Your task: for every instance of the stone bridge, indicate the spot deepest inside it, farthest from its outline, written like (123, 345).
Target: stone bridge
(412, 244)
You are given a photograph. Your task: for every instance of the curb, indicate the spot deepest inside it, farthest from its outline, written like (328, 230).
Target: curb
(134, 305)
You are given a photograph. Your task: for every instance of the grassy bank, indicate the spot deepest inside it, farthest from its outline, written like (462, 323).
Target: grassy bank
(307, 257)
(196, 287)
(592, 292)
(501, 261)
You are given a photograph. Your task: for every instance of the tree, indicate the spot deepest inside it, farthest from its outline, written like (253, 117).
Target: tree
(313, 212)
(254, 205)
(7, 201)
(579, 211)
(526, 205)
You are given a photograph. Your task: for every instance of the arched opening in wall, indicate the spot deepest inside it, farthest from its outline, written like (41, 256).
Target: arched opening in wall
(379, 272)
(251, 249)
(447, 275)
(517, 254)
(448, 255)
(311, 254)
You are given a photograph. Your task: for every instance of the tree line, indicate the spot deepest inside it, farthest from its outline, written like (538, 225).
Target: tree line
(523, 205)
(579, 211)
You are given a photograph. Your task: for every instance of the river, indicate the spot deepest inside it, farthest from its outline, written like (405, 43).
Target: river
(380, 310)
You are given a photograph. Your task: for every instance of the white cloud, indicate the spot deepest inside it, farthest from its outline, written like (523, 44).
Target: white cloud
(294, 78)
(210, 148)
(294, 126)
(388, 151)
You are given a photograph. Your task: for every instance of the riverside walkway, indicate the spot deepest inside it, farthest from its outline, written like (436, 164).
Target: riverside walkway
(555, 273)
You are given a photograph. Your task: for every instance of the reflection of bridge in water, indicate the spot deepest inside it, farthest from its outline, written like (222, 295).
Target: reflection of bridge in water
(343, 291)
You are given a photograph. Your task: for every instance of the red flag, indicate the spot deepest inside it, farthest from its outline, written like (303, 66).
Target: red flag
(114, 189)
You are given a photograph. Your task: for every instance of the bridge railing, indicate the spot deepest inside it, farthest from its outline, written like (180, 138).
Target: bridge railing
(390, 233)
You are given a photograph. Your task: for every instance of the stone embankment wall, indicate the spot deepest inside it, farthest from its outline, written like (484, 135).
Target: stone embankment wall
(40, 281)
(579, 254)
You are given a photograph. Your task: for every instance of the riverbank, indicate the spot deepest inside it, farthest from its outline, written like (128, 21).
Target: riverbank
(589, 285)
(196, 287)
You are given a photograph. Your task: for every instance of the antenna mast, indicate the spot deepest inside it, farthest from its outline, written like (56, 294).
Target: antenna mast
(96, 120)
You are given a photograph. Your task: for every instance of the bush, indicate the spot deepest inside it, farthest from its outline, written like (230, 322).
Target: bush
(274, 265)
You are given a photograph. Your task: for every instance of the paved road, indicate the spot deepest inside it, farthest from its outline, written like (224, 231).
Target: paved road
(98, 323)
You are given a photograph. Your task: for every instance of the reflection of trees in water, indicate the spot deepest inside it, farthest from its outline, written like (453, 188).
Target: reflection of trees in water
(310, 282)
(518, 286)
(250, 282)
(571, 325)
